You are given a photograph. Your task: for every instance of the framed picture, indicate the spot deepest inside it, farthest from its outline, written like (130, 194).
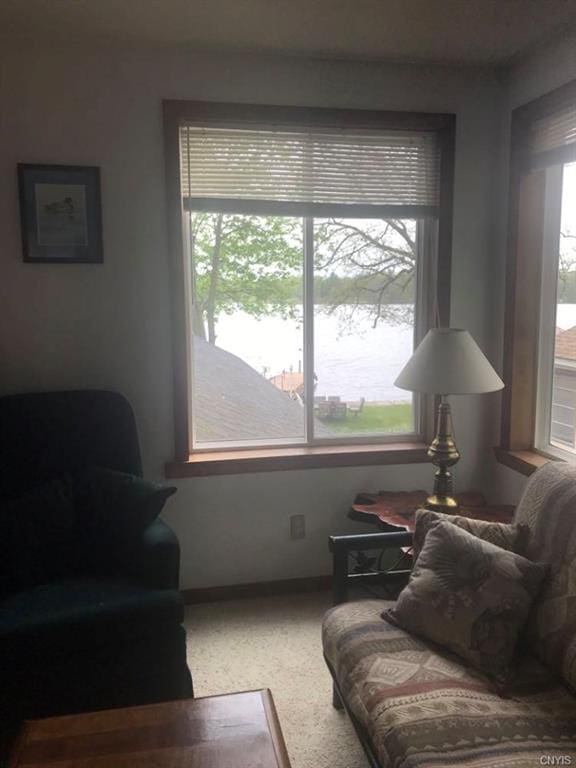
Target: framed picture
(61, 213)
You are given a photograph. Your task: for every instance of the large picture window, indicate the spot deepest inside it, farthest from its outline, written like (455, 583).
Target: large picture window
(311, 246)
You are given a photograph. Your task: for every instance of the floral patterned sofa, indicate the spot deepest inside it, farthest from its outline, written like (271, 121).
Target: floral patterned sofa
(415, 706)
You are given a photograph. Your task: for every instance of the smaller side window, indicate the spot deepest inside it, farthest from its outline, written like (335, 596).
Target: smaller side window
(539, 402)
(556, 404)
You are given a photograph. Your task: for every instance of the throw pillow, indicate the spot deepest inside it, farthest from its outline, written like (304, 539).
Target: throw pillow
(511, 537)
(37, 543)
(118, 503)
(470, 597)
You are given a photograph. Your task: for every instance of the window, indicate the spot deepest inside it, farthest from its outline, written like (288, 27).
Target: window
(310, 251)
(556, 395)
(540, 351)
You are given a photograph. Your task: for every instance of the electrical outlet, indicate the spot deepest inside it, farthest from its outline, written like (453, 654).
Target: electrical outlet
(297, 527)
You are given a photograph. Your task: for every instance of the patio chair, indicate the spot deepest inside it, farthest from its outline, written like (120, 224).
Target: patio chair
(357, 407)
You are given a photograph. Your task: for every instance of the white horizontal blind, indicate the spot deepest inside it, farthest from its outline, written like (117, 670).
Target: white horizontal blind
(342, 167)
(553, 131)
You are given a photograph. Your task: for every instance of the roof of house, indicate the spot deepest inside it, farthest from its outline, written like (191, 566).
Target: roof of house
(565, 344)
(288, 381)
(234, 402)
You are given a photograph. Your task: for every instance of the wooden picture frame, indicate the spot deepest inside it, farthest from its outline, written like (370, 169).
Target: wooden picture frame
(60, 214)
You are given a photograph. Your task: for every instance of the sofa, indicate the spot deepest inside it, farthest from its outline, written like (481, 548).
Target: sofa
(414, 705)
(106, 631)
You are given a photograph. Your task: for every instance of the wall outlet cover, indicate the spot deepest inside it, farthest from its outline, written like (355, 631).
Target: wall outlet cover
(297, 527)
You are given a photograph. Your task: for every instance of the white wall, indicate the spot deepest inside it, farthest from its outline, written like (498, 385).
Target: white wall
(533, 76)
(109, 325)
(549, 68)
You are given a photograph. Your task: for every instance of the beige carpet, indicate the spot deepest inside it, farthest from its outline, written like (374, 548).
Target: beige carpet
(274, 643)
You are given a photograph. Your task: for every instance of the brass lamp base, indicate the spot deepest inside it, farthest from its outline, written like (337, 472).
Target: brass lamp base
(444, 454)
(446, 504)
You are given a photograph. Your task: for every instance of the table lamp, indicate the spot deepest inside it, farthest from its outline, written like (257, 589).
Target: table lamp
(447, 362)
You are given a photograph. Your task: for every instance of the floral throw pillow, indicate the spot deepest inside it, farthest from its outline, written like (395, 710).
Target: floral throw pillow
(511, 537)
(470, 597)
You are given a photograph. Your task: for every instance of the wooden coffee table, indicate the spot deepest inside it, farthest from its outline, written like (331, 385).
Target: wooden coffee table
(237, 730)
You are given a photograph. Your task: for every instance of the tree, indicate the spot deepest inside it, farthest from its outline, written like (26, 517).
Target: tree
(566, 271)
(374, 261)
(247, 262)
(255, 263)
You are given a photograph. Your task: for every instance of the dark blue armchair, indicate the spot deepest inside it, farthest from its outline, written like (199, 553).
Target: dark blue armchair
(105, 637)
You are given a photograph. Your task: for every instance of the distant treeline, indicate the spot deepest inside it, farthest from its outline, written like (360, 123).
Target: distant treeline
(364, 289)
(567, 287)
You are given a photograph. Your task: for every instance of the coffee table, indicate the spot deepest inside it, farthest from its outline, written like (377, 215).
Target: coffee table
(237, 730)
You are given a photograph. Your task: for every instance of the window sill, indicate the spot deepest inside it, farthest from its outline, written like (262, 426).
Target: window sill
(525, 462)
(281, 459)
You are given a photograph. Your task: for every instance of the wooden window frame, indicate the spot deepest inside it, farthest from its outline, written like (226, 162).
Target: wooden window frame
(232, 461)
(526, 227)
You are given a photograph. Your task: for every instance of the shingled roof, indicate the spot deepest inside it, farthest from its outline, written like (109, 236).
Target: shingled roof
(234, 402)
(565, 344)
(289, 381)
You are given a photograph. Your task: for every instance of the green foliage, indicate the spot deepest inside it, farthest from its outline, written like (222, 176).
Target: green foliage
(255, 264)
(567, 269)
(247, 264)
(333, 290)
(369, 262)
(567, 287)
(364, 289)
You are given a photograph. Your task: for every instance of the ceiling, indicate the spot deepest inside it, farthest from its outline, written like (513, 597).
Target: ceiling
(484, 32)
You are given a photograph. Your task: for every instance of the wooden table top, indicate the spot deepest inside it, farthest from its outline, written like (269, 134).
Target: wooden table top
(398, 508)
(238, 730)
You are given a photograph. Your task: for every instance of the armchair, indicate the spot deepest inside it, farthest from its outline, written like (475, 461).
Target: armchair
(96, 637)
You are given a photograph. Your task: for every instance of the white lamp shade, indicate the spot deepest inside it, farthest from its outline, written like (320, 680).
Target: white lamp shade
(449, 362)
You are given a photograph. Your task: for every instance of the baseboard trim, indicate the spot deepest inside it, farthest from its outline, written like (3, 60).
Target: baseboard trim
(257, 589)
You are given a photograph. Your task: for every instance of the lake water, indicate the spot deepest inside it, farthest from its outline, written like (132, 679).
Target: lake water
(351, 361)
(361, 361)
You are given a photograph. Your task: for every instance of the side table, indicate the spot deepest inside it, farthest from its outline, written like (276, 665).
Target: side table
(364, 559)
(395, 510)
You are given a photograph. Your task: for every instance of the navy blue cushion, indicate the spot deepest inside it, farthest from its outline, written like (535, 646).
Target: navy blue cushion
(62, 607)
(38, 536)
(86, 524)
(117, 503)
(82, 645)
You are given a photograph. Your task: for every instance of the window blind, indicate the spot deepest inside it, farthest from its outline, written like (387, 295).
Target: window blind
(309, 167)
(554, 131)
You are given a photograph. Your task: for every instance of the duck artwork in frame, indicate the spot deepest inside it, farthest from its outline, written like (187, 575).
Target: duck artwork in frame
(60, 213)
